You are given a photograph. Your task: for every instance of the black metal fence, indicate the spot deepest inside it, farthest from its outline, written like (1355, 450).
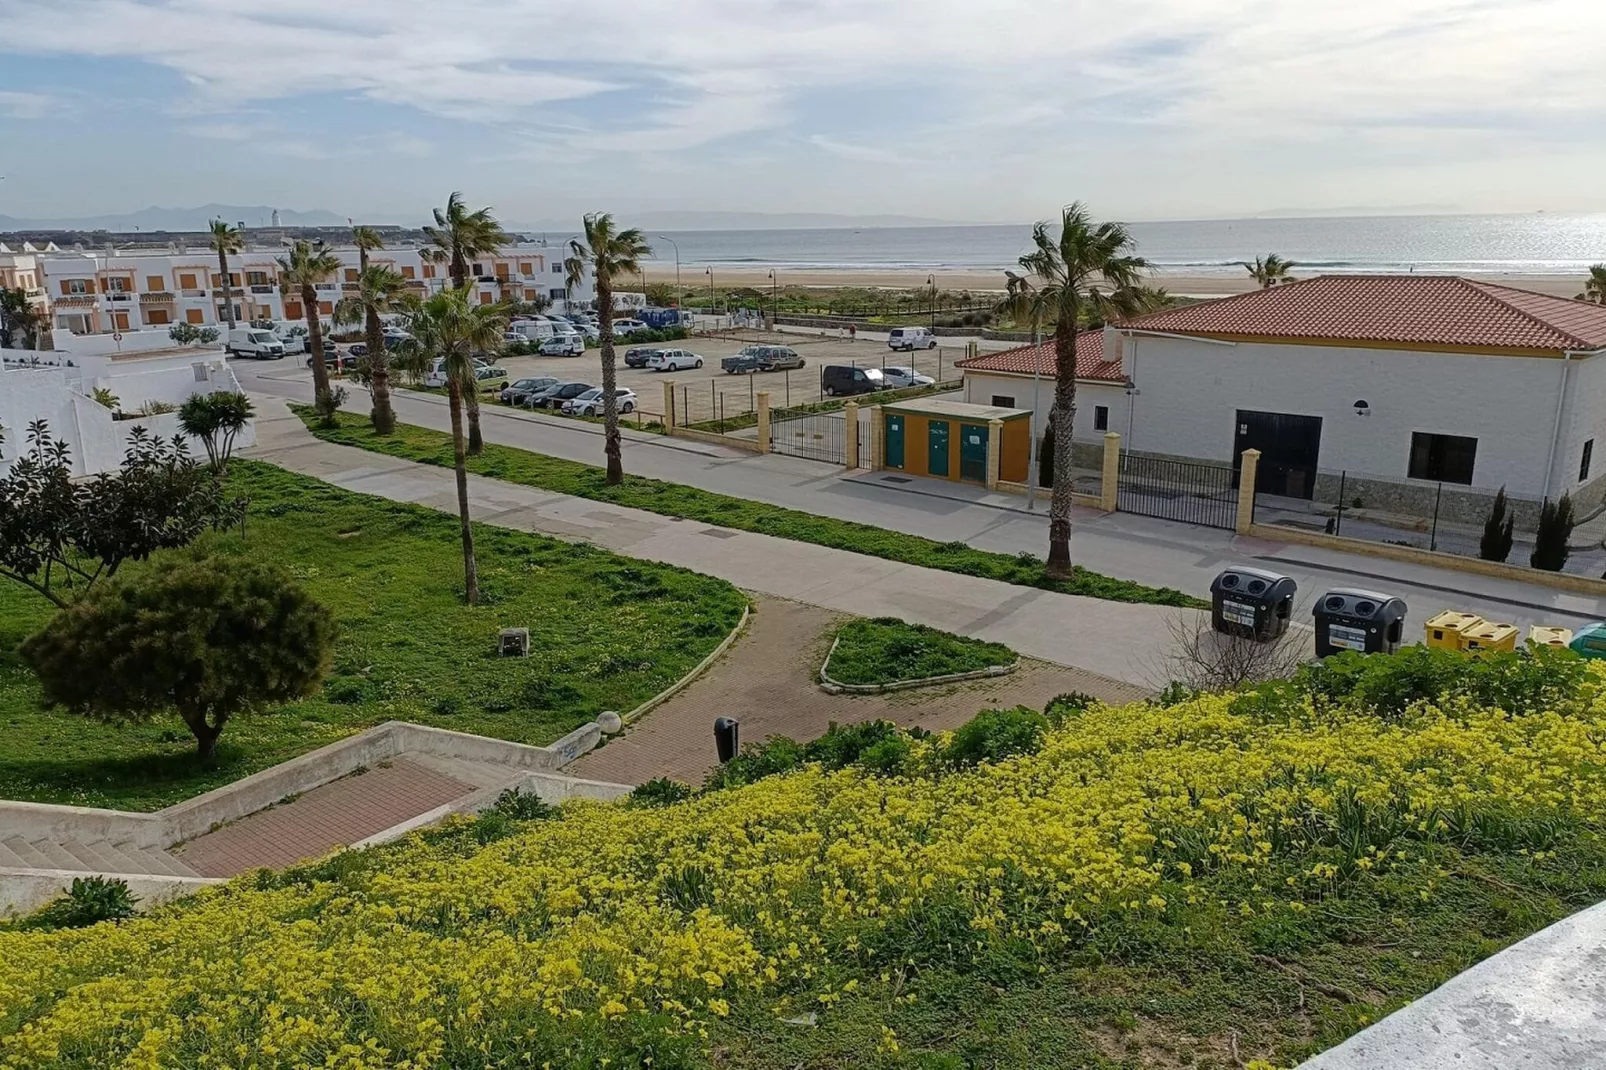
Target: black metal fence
(818, 436)
(1194, 493)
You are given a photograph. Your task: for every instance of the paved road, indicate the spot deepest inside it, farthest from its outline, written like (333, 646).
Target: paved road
(1156, 552)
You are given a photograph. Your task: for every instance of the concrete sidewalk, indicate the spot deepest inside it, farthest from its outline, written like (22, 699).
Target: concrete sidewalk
(1155, 552)
(1126, 642)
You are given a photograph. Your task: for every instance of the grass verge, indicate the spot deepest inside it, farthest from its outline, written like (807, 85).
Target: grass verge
(607, 634)
(885, 650)
(676, 499)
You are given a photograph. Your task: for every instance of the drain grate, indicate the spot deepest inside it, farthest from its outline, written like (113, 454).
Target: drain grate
(896, 479)
(718, 534)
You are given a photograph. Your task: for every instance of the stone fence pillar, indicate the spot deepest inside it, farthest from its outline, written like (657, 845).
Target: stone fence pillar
(1246, 490)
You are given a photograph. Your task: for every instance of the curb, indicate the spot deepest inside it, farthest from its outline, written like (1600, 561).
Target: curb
(836, 687)
(679, 685)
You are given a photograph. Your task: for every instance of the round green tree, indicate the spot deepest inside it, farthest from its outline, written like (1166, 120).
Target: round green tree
(206, 638)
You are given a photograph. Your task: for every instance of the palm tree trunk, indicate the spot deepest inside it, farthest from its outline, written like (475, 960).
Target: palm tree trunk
(383, 416)
(1058, 566)
(612, 446)
(228, 291)
(309, 312)
(476, 442)
(471, 577)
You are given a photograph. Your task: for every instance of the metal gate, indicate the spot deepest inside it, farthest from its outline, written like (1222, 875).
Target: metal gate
(1188, 491)
(819, 436)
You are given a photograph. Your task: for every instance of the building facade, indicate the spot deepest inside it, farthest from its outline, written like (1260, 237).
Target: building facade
(1409, 392)
(104, 292)
(21, 270)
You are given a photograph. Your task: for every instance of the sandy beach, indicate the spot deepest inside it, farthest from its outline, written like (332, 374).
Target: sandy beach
(726, 279)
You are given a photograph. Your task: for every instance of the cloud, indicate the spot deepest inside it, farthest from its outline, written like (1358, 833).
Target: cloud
(29, 106)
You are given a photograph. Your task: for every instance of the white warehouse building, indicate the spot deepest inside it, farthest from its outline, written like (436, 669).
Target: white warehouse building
(1400, 388)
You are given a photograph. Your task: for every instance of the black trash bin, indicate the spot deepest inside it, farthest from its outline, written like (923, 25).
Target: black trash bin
(1252, 602)
(1366, 621)
(726, 738)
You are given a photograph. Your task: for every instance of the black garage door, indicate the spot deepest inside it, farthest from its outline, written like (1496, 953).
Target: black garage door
(1289, 447)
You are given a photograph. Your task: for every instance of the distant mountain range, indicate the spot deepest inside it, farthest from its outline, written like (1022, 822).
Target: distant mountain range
(178, 219)
(692, 220)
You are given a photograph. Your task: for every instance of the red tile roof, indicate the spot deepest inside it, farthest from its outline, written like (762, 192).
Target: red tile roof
(1041, 360)
(1430, 310)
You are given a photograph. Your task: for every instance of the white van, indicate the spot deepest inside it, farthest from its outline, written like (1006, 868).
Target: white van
(538, 329)
(436, 375)
(254, 342)
(911, 338)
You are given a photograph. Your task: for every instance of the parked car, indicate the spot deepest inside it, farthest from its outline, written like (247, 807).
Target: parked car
(436, 375)
(516, 392)
(898, 377)
(670, 360)
(750, 359)
(554, 396)
(837, 380)
(911, 338)
(638, 356)
(254, 342)
(488, 378)
(780, 358)
(567, 345)
(625, 328)
(292, 337)
(590, 403)
(333, 358)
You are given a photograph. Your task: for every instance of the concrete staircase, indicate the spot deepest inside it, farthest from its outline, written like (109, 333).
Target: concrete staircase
(478, 775)
(98, 857)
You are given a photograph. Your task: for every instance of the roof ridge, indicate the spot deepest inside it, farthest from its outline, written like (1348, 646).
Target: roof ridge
(1218, 302)
(1483, 288)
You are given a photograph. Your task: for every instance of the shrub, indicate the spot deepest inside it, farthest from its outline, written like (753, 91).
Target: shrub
(1555, 528)
(842, 745)
(187, 334)
(1497, 538)
(776, 754)
(887, 757)
(327, 406)
(90, 900)
(209, 638)
(993, 735)
(216, 419)
(660, 791)
(1062, 708)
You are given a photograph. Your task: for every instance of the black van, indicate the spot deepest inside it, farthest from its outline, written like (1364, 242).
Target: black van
(839, 379)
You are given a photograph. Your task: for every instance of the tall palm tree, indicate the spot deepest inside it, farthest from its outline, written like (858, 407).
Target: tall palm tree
(1271, 270)
(1087, 270)
(607, 254)
(1595, 286)
(380, 291)
(451, 327)
(457, 237)
(307, 265)
(226, 239)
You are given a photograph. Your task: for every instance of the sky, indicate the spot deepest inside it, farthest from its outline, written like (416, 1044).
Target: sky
(954, 109)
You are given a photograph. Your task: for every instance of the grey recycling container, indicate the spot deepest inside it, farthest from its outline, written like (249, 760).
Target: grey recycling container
(1367, 621)
(1252, 602)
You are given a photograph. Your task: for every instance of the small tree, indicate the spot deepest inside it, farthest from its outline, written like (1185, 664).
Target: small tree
(1496, 543)
(216, 419)
(1555, 528)
(1045, 457)
(208, 638)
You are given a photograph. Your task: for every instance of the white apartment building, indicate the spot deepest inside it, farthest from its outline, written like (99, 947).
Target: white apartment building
(21, 270)
(106, 291)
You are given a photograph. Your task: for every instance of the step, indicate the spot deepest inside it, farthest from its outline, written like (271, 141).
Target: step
(89, 859)
(471, 773)
(156, 860)
(25, 851)
(120, 859)
(10, 859)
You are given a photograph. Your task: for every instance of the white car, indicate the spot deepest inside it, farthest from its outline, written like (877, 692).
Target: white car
(567, 345)
(672, 360)
(622, 328)
(910, 338)
(436, 376)
(900, 377)
(590, 403)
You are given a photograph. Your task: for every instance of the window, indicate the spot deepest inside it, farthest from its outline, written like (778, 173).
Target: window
(407, 271)
(194, 315)
(117, 285)
(524, 267)
(1002, 401)
(326, 308)
(351, 274)
(485, 298)
(186, 282)
(479, 269)
(155, 284)
(558, 293)
(156, 317)
(256, 278)
(1443, 458)
(75, 286)
(1583, 465)
(1101, 417)
(292, 310)
(429, 271)
(557, 267)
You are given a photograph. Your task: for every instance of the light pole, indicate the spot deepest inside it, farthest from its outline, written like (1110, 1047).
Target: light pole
(775, 298)
(931, 281)
(671, 241)
(713, 308)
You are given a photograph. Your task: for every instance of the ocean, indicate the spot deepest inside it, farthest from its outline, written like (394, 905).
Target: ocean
(1538, 244)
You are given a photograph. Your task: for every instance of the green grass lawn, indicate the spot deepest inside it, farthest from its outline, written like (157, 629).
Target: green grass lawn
(677, 499)
(885, 650)
(607, 633)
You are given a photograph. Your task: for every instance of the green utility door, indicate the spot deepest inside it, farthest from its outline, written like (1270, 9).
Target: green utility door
(937, 448)
(973, 453)
(894, 440)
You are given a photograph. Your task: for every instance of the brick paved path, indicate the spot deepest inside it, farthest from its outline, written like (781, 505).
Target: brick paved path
(767, 682)
(333, 815)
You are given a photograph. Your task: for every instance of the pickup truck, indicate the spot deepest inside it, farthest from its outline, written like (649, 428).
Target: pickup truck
(748, 360)
(762, 359)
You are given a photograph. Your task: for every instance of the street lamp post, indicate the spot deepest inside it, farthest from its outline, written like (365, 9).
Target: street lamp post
(931, 281)
(678, 300)
(713, 307)
(775, 298)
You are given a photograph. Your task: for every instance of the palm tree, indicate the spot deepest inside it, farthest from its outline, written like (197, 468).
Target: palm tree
(607, 254)
(307, 265)
(1595, 286)
(457, 237)
(380, 291)
(226, 240)
(451, 327)
(1085, 271)
(1270, 271)
(19, 320)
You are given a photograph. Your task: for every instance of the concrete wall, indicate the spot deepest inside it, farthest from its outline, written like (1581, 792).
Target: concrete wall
(980, 389)
(24, 891)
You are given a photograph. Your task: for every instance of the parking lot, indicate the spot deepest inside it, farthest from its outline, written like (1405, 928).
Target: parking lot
(709, 394)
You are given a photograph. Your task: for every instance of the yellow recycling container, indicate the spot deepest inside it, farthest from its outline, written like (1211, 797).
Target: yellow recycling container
(1448, 631)
(1540, 635)
(1491, 636)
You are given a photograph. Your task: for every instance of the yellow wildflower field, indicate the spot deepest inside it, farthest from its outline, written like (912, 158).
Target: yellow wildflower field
(617, 935)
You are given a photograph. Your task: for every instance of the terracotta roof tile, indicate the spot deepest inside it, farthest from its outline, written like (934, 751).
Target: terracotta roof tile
(1040, 360)
(1437, 310)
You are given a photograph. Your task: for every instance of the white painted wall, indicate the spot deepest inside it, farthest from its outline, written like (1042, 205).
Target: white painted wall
(1583, 419)
(981, 388)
